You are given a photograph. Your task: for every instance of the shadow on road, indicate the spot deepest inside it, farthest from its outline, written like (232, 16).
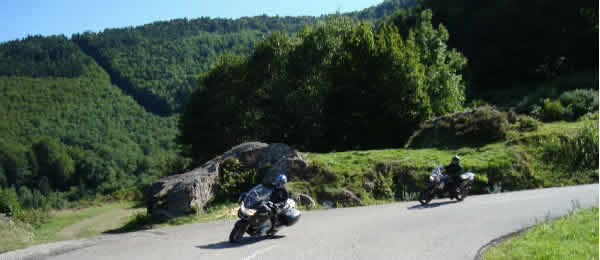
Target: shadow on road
(246, 241)
(432, 205)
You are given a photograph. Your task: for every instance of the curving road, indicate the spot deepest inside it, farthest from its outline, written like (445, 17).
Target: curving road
(444, 230)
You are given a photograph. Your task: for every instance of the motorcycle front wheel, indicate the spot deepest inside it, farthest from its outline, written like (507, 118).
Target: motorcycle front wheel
(425, 196)
(238, 232)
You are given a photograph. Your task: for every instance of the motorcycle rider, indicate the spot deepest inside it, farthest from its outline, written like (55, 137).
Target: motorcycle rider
(279, 196)
(453, 171)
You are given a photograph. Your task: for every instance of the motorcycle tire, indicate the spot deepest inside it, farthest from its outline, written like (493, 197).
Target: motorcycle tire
(238, 232)
(425, 197)
(465, 188)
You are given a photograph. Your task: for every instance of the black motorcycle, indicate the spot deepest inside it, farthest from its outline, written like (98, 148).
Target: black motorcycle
(437, 185)
(255, 214)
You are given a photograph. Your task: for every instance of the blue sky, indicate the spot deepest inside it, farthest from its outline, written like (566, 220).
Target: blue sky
(20, 18)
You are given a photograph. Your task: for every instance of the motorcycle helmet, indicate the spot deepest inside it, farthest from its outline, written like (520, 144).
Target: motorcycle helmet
(280, 180)
(455, 159)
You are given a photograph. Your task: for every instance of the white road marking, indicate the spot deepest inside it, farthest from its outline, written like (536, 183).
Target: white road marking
(260, 252)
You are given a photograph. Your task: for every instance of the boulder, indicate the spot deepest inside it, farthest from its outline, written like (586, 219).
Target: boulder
(304, 200)
(343, 197)
(347, 198)
(188, 193)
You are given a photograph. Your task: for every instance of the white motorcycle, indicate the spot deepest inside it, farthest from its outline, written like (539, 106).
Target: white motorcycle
(437, 184)
(255, 214)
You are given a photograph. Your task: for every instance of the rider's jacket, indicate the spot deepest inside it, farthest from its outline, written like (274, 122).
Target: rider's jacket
(453, 170)
(279, 195)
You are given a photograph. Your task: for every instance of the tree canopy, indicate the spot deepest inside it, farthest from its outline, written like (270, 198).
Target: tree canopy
(334, 86)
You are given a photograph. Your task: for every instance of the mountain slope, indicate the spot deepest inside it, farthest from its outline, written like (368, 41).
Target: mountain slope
(158, 63)
(63, 123)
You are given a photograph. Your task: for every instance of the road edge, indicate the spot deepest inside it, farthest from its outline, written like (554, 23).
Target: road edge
(496, 241)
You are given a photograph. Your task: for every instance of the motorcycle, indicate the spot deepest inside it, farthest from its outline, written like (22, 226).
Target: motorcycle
(255, 214)
(437, 184)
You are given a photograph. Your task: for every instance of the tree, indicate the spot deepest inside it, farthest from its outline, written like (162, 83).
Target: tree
(336, 86)
(54, 162)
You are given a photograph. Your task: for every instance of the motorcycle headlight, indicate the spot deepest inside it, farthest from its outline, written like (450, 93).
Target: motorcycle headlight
(250, 212)
(431, 178)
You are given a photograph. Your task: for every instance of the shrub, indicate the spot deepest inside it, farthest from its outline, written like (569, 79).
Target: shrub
(234, 178)
(34, 217)
(9, 202)
(527, 124)
(579, 151)
(580, 101)
(475, 103)
(382, 180)
(511, 173)
(483, 125)
(550, 111)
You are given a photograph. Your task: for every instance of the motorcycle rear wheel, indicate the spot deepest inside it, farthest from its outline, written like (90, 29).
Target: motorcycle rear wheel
(465, 188)
(425, 197)
(238, 232)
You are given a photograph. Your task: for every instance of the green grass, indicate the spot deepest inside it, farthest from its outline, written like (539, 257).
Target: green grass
(15, 235)
(513, 164)
(143, 221)
(51, 231)
(572, 237)
(21, 235)
(360, 161)
(472, 158)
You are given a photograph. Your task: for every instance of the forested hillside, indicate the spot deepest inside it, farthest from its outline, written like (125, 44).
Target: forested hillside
(336, 86)
(96, 114)
(512, 43)
(159, 63)
(65, 128)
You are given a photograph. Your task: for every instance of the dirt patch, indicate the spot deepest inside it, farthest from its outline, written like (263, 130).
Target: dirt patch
(111, 219)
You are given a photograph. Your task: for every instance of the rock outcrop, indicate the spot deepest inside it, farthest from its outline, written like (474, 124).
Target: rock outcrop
(304, 200)
(188, 193)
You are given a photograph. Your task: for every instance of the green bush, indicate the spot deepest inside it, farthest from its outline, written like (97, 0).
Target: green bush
(580, 102)
(483, 125)
(235, 178)
(34, 217)
(527, 124)
(514, 172)
(382, 179)
(579, 151)
(475, 103)
(550, 111)
(9, 202)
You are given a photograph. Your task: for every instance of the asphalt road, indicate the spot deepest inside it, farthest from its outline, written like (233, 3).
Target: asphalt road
(443, 230)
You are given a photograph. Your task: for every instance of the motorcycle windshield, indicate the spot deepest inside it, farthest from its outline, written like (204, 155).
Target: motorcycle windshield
(256, 195)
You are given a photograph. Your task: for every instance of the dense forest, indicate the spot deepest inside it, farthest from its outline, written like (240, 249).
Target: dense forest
(67, 133)
(159, 63)
(336, 86)
(99, 113)
(512, 43)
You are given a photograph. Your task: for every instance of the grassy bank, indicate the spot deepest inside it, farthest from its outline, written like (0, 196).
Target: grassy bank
(66, 225)
(142, 220)
(572, 237)
(524, 160)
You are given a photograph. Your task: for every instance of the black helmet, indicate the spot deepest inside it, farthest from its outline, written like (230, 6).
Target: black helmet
(456, 159)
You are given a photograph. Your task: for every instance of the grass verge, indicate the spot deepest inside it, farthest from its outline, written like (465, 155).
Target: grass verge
(66, 225)
(513, 164)
(572, 237)
(142, 221)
